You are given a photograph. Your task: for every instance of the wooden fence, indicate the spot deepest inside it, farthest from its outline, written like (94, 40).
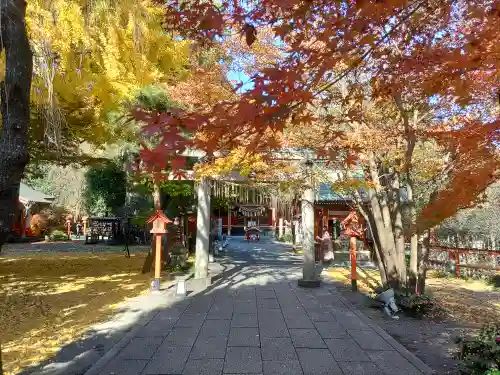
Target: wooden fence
(465, 262)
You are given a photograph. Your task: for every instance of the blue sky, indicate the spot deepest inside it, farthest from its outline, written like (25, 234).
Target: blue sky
(240, 77)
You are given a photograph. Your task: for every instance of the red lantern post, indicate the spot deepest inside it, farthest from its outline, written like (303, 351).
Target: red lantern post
(68, 226)
(353, 230)
(160, 222)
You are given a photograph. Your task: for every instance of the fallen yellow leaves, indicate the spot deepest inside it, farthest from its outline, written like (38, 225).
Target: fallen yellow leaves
(49, 300)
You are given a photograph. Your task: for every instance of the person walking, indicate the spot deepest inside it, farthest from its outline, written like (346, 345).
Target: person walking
(326, 246)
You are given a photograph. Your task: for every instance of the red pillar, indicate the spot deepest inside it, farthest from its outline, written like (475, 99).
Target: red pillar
(352, 248)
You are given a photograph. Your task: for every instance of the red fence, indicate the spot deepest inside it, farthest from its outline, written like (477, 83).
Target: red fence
(470, 259)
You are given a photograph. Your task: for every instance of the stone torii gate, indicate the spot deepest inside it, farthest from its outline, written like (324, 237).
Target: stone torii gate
(310, 277)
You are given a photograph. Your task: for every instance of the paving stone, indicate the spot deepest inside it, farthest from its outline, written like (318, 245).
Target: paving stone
(318, 362)
(391, 362)
(298, 320)
(156, 329)
(278, 349)
(182, 336)
(219, 327)
(320, 314)
(245, 307)
(165, 317)
(244, 296)
(330, 330)
(191, 320)
(244, 320)
(167, 360)
(241, 360)
(209, 347)
(268, 303)
(264, 294)
(361, 368)
(269, 314)
(346, 349)
(370, 340)
(220, 312)
(141, 348)
(273, 329)
(204, 367)
(199, 307)
(352, 322)
(282, 368)
(306, 338)
(244, 337)
(120, 366)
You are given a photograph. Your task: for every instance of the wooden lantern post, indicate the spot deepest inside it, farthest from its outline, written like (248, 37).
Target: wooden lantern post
(353, 230)
(160, 222)
(85, 221)
(68, 225)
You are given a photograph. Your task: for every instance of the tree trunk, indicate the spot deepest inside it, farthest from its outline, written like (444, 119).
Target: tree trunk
(412, 282)
(156, 195)
(150, 259)
(395, 267)
(423, 257)
(386, 253)
(15, 110)
(376, 244)
(397, 223)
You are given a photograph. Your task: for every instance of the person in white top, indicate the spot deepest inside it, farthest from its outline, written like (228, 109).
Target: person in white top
(326, 245)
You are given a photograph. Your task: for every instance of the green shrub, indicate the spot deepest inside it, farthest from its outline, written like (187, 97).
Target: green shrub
(417, 305)
(494, 281)
(480, 355)
(58, 235)
(287, 237)
(178, 257)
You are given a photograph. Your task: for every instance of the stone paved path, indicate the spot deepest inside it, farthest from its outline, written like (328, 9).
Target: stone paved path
(255, 320)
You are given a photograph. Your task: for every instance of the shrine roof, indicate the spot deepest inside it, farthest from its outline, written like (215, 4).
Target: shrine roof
(27, 194)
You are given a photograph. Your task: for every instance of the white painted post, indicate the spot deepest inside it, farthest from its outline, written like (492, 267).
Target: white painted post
(281, 229)
(202, 230)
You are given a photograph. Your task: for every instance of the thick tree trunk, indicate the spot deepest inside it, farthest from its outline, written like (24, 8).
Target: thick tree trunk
(15, 109)
(376, 245)
(423, 257)
(395, 267)
(397, 223)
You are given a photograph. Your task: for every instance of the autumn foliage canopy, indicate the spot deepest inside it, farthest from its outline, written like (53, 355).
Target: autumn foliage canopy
(442, 54)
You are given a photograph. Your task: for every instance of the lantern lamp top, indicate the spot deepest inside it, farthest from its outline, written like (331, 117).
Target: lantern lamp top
(159, 220)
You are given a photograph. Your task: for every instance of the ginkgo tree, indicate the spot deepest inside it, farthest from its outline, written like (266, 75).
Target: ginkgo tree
(88, 58)
(438, 55)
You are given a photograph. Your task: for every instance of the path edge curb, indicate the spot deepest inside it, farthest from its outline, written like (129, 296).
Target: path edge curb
(418, 363)
(97, 367)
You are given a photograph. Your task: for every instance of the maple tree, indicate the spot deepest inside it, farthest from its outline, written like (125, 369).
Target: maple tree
(439, 54)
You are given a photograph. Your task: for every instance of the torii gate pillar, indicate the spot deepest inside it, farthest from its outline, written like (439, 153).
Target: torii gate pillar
(309, 277)
(202, 230)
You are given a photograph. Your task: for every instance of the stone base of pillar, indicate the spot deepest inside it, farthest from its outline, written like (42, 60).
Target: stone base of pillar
(309, 283)
(201, 283)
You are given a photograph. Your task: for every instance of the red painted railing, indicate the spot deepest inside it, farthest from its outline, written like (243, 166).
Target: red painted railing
(456, 256)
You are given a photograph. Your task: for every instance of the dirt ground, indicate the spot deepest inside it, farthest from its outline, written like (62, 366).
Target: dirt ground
(468, 305)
